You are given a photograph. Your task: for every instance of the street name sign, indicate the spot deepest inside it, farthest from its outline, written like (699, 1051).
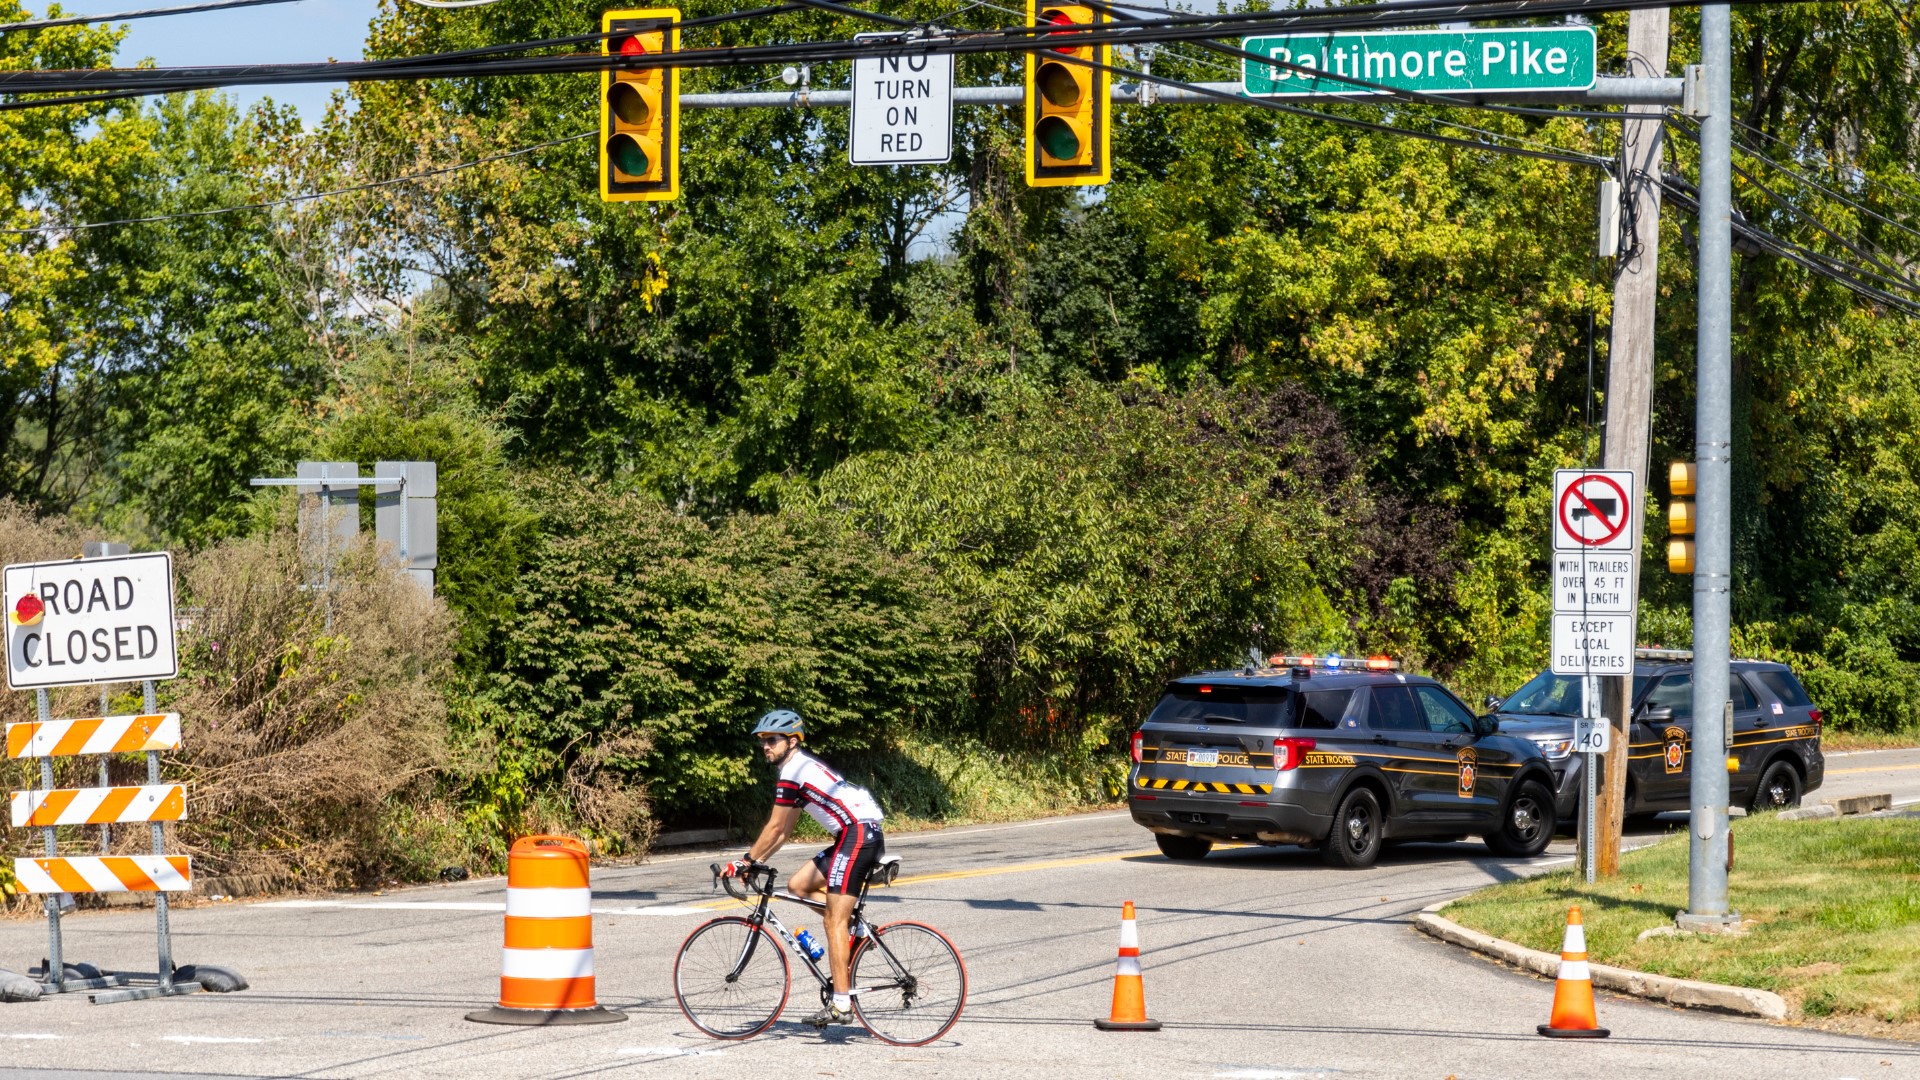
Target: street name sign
(1486, 61)
(902, 109)
(80, 621)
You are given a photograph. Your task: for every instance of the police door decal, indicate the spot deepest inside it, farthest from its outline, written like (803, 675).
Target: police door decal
(1469, 766)
(1676, 753)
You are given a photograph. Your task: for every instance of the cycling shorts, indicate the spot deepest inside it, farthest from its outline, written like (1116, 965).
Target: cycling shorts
(854, 854)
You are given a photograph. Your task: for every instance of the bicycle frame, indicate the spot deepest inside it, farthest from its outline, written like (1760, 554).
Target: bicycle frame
(857, 926)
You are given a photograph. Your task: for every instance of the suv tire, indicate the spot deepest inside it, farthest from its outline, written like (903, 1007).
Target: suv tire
(1355, 840)
(1183, 848)
(1526, 824)
(1779, 788)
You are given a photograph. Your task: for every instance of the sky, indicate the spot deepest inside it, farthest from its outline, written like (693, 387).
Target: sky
(310, 30)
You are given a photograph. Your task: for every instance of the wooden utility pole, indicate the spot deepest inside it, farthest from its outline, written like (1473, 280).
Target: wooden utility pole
(1629, 403)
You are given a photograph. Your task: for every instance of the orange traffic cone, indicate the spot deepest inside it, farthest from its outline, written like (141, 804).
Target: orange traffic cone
(1573, 992)
(1129, 1012)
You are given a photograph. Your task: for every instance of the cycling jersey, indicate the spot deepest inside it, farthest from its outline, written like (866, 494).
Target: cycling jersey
(805, 781)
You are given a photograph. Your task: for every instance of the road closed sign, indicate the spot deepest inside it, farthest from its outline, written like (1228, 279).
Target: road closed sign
(81, 621)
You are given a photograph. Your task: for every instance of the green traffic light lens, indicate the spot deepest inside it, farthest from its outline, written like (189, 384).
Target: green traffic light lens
(629, 104)
(1057, 138)
(1058, 85)
(627, 155)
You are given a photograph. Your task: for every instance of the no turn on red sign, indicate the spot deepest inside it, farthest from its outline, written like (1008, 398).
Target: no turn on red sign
(1593, 510)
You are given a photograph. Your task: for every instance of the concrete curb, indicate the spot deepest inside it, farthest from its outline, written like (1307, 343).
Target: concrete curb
(1739, 1000)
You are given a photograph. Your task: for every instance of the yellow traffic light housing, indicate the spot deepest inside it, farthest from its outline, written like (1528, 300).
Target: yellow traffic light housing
(1680, 517)
(1069, 106)
(640, 108)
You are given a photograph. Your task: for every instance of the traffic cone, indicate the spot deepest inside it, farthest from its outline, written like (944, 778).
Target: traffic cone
(1129, 1012)
(546, 974)
(1573, 991)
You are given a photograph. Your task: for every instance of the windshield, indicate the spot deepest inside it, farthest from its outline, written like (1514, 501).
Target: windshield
(1547, 694)
(1188, 703)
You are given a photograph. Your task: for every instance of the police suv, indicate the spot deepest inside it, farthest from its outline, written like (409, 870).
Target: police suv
(1774, 744)
(1339, 754)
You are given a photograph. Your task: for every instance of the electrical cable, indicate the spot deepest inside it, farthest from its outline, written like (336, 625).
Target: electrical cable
(1680, 193)
(1876, 257)
(312, 195)
(129, 16)
(162, 80)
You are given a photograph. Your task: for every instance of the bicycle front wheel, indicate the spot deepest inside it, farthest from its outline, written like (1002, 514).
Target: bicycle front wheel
(731, 978)
(911, 984)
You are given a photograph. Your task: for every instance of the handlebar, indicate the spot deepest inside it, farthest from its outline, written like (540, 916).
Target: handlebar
(739, 889)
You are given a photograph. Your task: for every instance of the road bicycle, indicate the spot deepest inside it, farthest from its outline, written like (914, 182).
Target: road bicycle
(732, 975)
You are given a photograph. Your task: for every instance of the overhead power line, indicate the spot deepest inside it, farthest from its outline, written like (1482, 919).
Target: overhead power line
(409, 178)
(129, 16)
(1006, 39)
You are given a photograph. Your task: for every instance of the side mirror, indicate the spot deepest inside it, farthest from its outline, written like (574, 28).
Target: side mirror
(1485, 725)
(1657, 714)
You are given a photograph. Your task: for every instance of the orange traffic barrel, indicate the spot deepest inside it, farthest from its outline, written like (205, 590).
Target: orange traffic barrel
(546, 968)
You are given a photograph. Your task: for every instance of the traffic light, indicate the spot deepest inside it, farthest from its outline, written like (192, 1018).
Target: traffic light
(1680, 517)
(640, 109)
(1069, 106)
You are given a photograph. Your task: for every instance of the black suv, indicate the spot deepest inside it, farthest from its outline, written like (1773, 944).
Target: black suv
(1776, 734)
(1342, 755)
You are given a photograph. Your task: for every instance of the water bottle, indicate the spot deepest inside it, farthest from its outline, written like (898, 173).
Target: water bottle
(812, 947)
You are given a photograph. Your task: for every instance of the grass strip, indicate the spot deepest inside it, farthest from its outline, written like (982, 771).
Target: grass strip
(1831, 909)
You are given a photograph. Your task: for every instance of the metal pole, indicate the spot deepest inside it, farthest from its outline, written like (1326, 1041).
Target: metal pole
(1707, 907)
(106, 830)
(406, 558)
(1590, 705)
(56, 963)
(159, 848)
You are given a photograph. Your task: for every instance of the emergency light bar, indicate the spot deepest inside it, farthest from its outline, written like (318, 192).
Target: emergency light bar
(1335, 662)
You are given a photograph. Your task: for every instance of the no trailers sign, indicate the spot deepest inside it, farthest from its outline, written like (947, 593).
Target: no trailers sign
(81, 621)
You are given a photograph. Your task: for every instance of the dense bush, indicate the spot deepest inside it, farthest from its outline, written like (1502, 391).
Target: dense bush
(634, 617)
(1101, 541)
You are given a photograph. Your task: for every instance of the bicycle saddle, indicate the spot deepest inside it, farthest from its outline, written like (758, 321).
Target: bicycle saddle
(884, 871)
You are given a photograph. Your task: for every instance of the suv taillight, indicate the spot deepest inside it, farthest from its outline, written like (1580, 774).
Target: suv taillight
(1817, 716)
(1287, 753)
(1137, 737)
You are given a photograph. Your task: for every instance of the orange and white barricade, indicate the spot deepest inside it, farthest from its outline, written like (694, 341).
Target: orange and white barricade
(54, 875)
(546, 968)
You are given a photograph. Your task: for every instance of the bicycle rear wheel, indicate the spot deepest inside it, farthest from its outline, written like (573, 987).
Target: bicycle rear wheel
(911, 983)
(731, 978)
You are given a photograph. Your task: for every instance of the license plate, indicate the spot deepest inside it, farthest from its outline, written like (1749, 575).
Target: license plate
(1203, 757)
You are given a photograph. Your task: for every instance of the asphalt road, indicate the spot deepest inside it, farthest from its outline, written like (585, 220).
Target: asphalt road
(1262, 964)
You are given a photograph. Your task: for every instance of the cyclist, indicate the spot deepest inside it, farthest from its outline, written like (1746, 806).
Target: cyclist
(843, 809)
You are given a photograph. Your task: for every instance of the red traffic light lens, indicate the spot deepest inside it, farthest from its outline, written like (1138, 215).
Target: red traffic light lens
(1056, 17)
(630, 46)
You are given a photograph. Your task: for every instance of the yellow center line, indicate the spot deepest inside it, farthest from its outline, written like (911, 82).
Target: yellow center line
(1872, 768)
(989, 871)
